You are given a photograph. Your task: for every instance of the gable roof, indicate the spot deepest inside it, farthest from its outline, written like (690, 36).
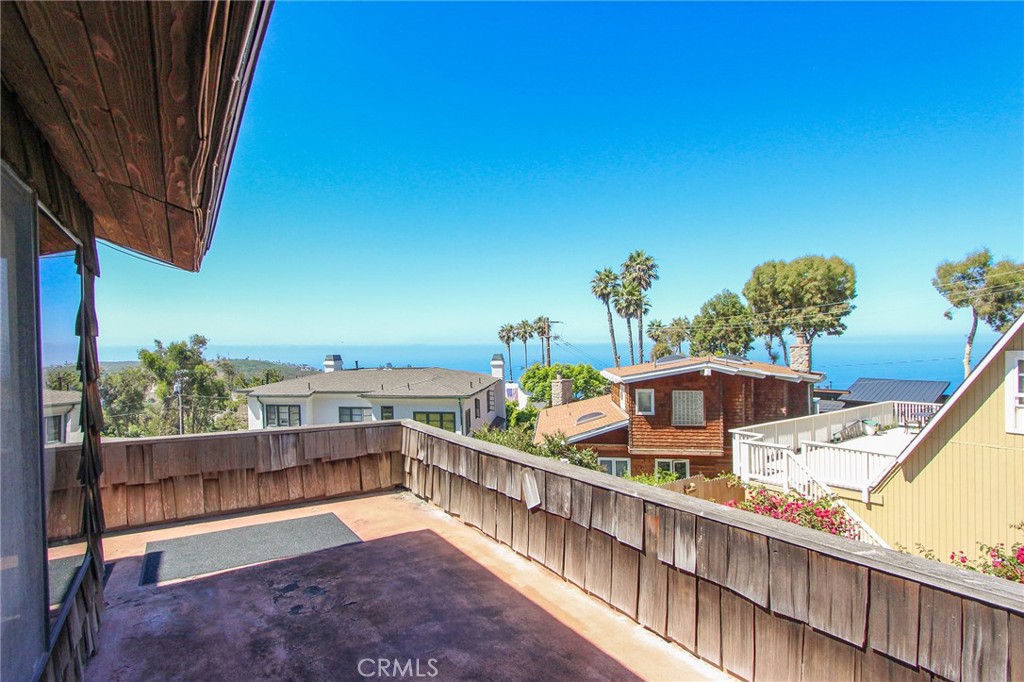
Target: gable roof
(866, 390)
(61, 398)
(994, 352)
(727, 365)
(399, 382)
(580, 420)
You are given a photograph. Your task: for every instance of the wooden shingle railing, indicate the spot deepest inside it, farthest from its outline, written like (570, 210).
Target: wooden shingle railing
(760, 598)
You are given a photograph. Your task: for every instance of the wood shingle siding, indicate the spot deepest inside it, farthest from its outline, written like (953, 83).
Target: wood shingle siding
(760, 598)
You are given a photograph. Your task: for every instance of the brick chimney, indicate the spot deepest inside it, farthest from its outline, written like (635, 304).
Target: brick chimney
(333, 363)
(800, 354)
(498, 366)
(561, 390)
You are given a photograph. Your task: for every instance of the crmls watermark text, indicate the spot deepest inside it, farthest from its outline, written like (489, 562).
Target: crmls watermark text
(387, 667)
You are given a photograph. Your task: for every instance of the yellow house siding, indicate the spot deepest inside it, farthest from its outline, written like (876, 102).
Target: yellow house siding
(964, 482)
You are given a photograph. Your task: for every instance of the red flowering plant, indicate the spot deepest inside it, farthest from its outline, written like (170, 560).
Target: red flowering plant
(822, 514)
(995, 560)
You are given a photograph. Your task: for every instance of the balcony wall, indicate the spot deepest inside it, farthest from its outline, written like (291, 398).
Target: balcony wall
(757, 597)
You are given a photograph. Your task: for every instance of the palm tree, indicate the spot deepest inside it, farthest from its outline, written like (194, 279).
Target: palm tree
(507, 334)
(524, 332)
(605, 287)
(640, 269)
(626, 305)
(678, 330)
(655, 331)
(542, 325)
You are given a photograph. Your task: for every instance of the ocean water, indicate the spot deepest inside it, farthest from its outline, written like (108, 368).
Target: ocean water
(842, 359)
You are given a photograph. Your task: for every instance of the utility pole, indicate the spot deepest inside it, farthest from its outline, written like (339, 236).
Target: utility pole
(178, 391)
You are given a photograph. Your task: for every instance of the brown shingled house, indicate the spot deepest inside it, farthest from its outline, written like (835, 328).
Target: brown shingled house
(675, 413)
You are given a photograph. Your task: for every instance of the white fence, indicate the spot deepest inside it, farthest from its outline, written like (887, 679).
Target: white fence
(803, 454)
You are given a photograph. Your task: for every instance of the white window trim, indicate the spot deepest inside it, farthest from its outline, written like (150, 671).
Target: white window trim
(672, 463)
(703, 410)
(627, 460)
(636, 398)
(1013, 358)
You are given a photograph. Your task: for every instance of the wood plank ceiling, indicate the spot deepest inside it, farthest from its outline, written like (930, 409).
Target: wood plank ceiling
(140, 103)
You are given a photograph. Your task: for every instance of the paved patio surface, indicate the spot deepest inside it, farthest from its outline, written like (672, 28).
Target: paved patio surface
(891, 442)
(420, 587)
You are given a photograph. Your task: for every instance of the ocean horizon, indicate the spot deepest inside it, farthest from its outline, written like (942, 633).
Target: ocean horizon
(843, 360)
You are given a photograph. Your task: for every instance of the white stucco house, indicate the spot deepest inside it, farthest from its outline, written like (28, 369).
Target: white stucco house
(62, 411)
(455, 400)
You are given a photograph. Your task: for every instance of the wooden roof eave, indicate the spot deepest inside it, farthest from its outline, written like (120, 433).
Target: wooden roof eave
(140, 105)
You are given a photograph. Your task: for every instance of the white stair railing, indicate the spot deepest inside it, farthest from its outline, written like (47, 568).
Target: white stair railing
(780, 466)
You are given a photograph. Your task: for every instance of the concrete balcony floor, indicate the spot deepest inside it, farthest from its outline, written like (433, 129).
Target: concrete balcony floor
(420, 585)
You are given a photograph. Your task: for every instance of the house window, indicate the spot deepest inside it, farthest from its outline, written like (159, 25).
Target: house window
(476, 407)
(354, 414)
(387, 412)
(616, 466)
(490, 400)
(283, 415)
(645, 401)
(55, 429)
(1015, 392)
(687, 408)
(442, 420)
(681, 467)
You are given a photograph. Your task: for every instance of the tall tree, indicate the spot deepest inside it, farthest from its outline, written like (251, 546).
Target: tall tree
(722, 327)
(658, 334)
(769, 306)
(820, 293)
(524, 332)
(181, 364)
(640, 269)
(542, 326)
(678, 331)
(63, 378)
(123, 396)
(627, 300)
(994, 292)
(507, 334)
(605, 287)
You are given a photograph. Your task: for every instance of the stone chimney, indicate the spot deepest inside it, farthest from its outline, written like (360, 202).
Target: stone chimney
(800, 354)
(561, 390)
(498, 366)
(333, 363)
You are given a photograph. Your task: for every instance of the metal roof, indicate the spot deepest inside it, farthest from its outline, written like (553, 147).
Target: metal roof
(866, 390)
(830, 406)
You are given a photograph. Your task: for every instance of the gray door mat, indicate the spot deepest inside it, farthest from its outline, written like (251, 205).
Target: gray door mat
(220, 550)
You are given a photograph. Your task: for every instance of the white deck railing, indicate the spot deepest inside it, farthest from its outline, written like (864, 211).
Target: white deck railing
(844, 467)
(800, 454)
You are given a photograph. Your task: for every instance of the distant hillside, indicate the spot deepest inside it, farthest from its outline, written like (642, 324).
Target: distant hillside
(245, 366)
(290, 371)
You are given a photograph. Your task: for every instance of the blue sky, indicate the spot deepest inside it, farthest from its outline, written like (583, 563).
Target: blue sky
(423, 173)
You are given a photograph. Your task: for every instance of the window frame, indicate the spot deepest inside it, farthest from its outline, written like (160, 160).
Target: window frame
(613, 460)
(703, 409)
(672, 465)
(352, 409)
(276, 408)
(427, 414)
(60, 429)
(476, 408)
(1014, 391)
(636, 400)
(390, 412)
(490, 400)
